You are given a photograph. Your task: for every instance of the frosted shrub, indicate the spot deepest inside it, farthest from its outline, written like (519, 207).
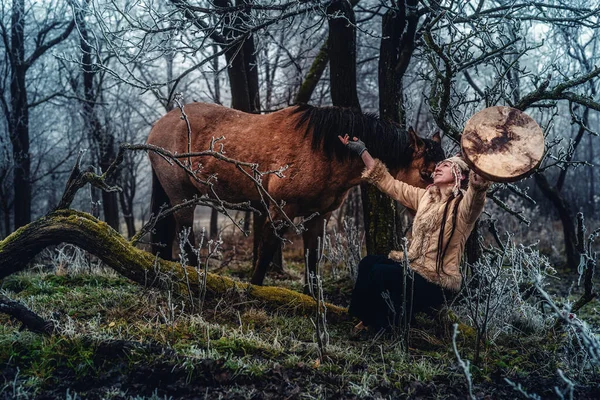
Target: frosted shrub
(343, 249)
(501, 295)
(67, 258)
(582, 350)
(529, 227)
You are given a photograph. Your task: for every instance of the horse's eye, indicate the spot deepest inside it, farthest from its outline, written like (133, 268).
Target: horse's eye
(426, 176)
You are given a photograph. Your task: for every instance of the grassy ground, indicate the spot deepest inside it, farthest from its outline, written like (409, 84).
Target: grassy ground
(120, 340)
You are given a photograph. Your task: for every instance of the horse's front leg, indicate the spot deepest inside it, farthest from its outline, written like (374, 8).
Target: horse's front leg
(314, 230)
(269, 242)
(265, 251)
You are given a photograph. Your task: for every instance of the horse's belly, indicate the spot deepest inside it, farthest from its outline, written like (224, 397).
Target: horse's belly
(312, 182)
(302, 189)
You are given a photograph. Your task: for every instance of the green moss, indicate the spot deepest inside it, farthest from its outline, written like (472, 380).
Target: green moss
(13, 237)
(467, 331)
(246, 366)
(92, 280)
(242, 347)
(39, 357)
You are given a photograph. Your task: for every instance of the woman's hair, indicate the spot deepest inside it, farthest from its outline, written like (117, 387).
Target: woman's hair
(439, 263)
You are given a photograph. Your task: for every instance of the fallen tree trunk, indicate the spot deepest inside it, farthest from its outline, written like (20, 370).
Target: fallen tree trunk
(99, 239)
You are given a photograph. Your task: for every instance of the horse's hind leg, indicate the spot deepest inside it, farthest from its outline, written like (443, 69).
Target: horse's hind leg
(184, 219)
(314, 230)
(163, 234)
(258, 225)
(265, 250)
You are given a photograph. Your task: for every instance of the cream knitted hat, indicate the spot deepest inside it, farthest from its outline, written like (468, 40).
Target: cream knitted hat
(459, 167)
(459, 162)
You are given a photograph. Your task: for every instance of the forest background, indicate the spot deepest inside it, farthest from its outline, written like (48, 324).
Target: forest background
(90, 75)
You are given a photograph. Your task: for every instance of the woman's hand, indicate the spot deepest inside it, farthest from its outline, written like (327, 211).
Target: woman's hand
(358, 147)
(478, 179)
(344, 139)
(478, 182)
(355, 145)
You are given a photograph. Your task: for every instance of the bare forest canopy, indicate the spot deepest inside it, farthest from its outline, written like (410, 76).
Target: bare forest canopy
(93, 74)
(83, 81)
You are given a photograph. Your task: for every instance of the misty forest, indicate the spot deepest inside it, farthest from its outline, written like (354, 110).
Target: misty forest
(216, 257)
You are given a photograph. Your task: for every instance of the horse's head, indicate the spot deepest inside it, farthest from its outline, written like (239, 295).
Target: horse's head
(426, 154)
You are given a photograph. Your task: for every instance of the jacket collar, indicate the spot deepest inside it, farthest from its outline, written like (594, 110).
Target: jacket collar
(443, 193)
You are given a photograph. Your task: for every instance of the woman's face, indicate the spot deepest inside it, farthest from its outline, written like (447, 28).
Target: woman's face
(443, 174)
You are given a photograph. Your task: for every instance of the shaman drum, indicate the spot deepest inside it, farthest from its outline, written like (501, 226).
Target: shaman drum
(502, 144)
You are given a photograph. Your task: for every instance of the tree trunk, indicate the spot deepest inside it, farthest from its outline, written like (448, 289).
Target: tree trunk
(5, 197)
(314, 75)
(381, 233)
(379, 223)
(566, 216)
(235, 57)
(397, 45)
(250, 65)
(28, 318)
(18, 124)
(6, 215)
(214, 214)
(342, 56)
(127, 193)
(472, 248)
(18, 112)
(127, 208)
(100, 137)
(390, 85)
(130, 224)
(93, 236)
(243, 80)
(560, 203)
(592, 191)
(110, 200)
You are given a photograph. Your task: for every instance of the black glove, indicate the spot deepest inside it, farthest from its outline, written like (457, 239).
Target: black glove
(357, 146)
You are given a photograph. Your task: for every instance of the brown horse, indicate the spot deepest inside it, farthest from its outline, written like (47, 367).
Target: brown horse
(320, 174)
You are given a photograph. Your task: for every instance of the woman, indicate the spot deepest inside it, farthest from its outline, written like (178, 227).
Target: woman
(445, 216)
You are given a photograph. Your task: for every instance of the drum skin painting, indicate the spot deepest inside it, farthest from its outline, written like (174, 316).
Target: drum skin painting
(502, 144)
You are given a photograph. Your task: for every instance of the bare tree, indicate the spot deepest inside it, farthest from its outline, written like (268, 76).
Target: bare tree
(477, 54)
(432, 63)
(24, 48)
(102, 141)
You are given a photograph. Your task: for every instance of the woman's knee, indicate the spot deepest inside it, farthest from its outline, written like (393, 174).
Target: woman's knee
(371, 259)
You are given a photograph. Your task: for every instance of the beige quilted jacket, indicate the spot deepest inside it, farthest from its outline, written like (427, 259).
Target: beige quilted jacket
(429, 206)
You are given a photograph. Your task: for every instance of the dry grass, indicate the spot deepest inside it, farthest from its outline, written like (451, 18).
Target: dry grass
(112, 332)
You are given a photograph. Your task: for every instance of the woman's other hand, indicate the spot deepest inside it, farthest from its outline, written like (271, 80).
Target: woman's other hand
(355, 145)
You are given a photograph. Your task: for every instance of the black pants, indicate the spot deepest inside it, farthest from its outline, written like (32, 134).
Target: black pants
(378, 274)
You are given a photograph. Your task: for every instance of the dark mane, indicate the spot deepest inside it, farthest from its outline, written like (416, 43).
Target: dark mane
(385, 140)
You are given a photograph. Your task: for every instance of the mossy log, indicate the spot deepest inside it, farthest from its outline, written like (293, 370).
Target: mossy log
(96, 237)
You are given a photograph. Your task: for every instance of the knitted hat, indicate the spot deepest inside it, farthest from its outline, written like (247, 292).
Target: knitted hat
(460, 163)
(459, 167)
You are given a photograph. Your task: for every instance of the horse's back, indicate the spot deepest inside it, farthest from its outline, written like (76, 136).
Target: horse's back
(243, 133)
(270, 140)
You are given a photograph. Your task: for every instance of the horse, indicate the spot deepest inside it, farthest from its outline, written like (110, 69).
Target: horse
(320, 173)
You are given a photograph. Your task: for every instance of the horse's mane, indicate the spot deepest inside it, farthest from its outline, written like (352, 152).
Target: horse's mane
(385, 140)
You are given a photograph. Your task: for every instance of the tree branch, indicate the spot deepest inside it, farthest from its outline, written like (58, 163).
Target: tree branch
(28, 318)
(559, 92)
(40, 50)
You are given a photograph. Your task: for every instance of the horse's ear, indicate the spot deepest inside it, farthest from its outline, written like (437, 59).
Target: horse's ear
(436, 137)
(415, 141)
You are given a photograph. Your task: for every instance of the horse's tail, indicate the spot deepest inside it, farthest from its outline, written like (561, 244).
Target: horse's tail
(163, 233)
